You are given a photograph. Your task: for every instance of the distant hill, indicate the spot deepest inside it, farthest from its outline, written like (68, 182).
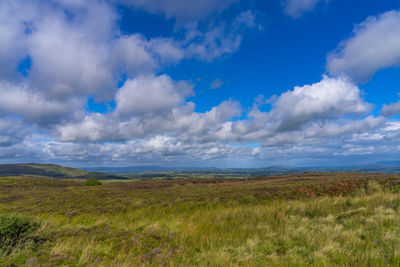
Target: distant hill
(158, 172)
(130, 169)
(148, 172)
(51, 170)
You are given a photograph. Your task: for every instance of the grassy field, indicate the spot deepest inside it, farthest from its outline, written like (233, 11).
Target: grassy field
(292, 220)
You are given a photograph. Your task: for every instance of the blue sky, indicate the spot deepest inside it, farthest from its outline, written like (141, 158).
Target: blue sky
(224, 83)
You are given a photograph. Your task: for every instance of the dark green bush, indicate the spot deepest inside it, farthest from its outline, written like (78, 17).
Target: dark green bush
(93, 182)
(15, 230)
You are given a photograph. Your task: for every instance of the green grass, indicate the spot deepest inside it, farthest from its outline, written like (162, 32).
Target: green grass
(92, 182)
(293, 220)
(67, 171)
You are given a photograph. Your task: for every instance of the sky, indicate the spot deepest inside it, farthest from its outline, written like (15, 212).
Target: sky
(212, 83)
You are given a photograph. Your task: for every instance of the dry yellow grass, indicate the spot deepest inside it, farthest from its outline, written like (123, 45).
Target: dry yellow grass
(232, 223)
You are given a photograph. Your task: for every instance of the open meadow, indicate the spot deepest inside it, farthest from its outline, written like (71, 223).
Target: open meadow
(291, 220)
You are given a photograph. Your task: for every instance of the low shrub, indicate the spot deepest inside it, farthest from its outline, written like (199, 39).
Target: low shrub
(93, 182)
(15, 230)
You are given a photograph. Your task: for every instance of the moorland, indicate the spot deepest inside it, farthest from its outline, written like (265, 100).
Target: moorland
(319, 219)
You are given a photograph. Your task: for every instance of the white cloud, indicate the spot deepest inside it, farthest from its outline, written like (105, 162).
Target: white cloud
(80, 54)
(307, 114)
(219, 40)
(350, 149)
(75, 55)
(318, 103)
(131, 55)
(309, 117)
(180, 121)
(391, 109)
(136, 55)
(68, 55)
(375, 45)
(389, 131)
(329, 98)
(167, 49)
(12, 35)
(316, 133)
(34, 106)
(296, 8)
(150, 94)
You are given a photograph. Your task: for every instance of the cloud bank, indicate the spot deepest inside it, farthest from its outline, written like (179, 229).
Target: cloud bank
(58, 55)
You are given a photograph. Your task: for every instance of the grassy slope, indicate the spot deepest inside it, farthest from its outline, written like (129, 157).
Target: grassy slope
(50, 170)
(67, 171)
(319, 219)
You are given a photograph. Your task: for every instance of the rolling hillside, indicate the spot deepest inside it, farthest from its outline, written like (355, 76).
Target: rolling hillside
(51, 170)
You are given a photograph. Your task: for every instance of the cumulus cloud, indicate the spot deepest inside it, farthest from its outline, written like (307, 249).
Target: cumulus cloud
(67, 54)
(34, 106)
(15, 27)
(136, 55)
(73, 52)
(131, 55)
(74, 55)
(296, 8)
(301, 109)
(391, 109)
(150, 94)
(314, 119)
(329, 98)
(375, 45)
(142, 113)
(304, 114)
(315, 133)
